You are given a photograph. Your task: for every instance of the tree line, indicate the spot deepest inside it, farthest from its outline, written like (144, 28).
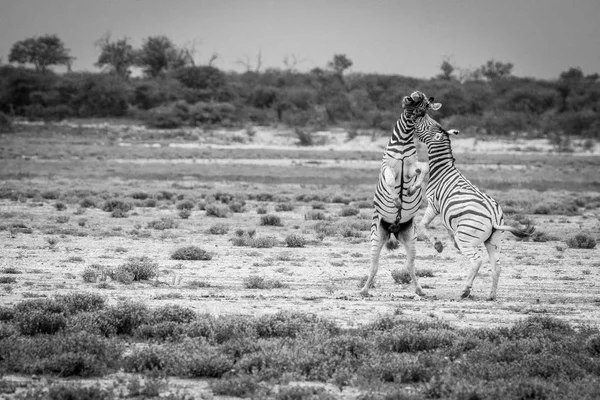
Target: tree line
(173, 91)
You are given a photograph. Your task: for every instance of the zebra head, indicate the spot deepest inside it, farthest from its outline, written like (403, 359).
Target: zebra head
(417, 104)
(429, 131)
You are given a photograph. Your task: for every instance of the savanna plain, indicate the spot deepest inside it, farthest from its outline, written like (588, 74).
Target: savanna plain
(190, 263)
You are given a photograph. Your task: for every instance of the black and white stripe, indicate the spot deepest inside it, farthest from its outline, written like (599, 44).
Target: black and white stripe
(398, 194)
(470, 216)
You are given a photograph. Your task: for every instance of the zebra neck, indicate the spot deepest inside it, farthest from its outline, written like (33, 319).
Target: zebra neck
(440, 155)
(401, 144)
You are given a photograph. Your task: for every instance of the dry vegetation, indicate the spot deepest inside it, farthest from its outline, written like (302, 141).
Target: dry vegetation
(133, 278)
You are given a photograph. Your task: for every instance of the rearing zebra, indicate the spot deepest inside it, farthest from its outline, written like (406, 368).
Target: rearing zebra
(470, 216)
(399, 194)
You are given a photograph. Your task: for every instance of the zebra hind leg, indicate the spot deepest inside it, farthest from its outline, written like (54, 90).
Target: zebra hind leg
(470, 251)
(378, 238)
(408, 237)
(492, 246)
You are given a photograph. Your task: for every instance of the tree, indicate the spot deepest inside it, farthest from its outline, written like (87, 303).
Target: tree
(119, 56)
(493, 70)
(447, 70)
(41, 51)
(339, 64)
(158, 54)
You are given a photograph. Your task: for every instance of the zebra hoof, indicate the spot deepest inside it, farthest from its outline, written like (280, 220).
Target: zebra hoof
(466, 294)
(365, 293)
(438, 246)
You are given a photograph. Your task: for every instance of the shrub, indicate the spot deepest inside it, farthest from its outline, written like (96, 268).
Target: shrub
(592, 345)
(218, 229)
(116, 204)
(185, 205)
(261, 210)
(209, 363)
(184, 214)
(401, 276)
(258, 282)
(73, 391)
(162, 224)
(581, 241)
(270, 219)
(263, 242)
(236, 386)
(315, 215)
(140, 195)
(142, 268)
(217, 210)
(166, 117)
(118, 213)
(191, 253)
(50, 195)
(211, 113)
(318, 205)
(122, 319)
(284, 207)
(295, 241)
(237, 206)
(173, 313)
(5, 123)
(87, 203)
(349, 211)
(40, 322)
(60, 206)
(81, 302)
(8, 279)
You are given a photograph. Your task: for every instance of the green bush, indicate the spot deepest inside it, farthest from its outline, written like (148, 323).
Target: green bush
(236, 386)
(295, 241)
(186, 205)
(581, 241)
(81, 302)
(142, 268)
(40, 322)
(191, 253)
(162, 224)
(271, 220)
(218, 229)
(6, 125)
(202, 113)
(349, 211)
(284, 207)
(217, 210)
(117, 204)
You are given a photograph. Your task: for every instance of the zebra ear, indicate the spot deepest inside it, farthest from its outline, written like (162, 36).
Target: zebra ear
(416, 96)
(406, 101)
(435, 106)
(438, 136)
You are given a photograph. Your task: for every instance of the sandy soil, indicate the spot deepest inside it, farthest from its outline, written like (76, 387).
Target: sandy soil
(537, 278)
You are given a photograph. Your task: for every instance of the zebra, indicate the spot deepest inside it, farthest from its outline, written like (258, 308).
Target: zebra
(470, 216)
(398, 194)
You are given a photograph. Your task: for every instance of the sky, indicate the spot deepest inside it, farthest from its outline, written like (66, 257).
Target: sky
(542, 38)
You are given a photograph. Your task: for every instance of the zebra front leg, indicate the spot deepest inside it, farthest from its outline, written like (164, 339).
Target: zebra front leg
(389, 181)
(378, 238)
(407, 237)
(420, 170)
(492, 246)
(429, 216)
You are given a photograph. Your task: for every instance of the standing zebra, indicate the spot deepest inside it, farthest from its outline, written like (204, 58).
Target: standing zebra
(398, 194)
(470, 216)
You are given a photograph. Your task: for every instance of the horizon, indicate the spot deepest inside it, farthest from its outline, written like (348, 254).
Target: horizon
(541, 38)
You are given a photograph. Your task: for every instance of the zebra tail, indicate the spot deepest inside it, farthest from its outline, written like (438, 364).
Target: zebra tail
(392, 243)
(520, 233)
